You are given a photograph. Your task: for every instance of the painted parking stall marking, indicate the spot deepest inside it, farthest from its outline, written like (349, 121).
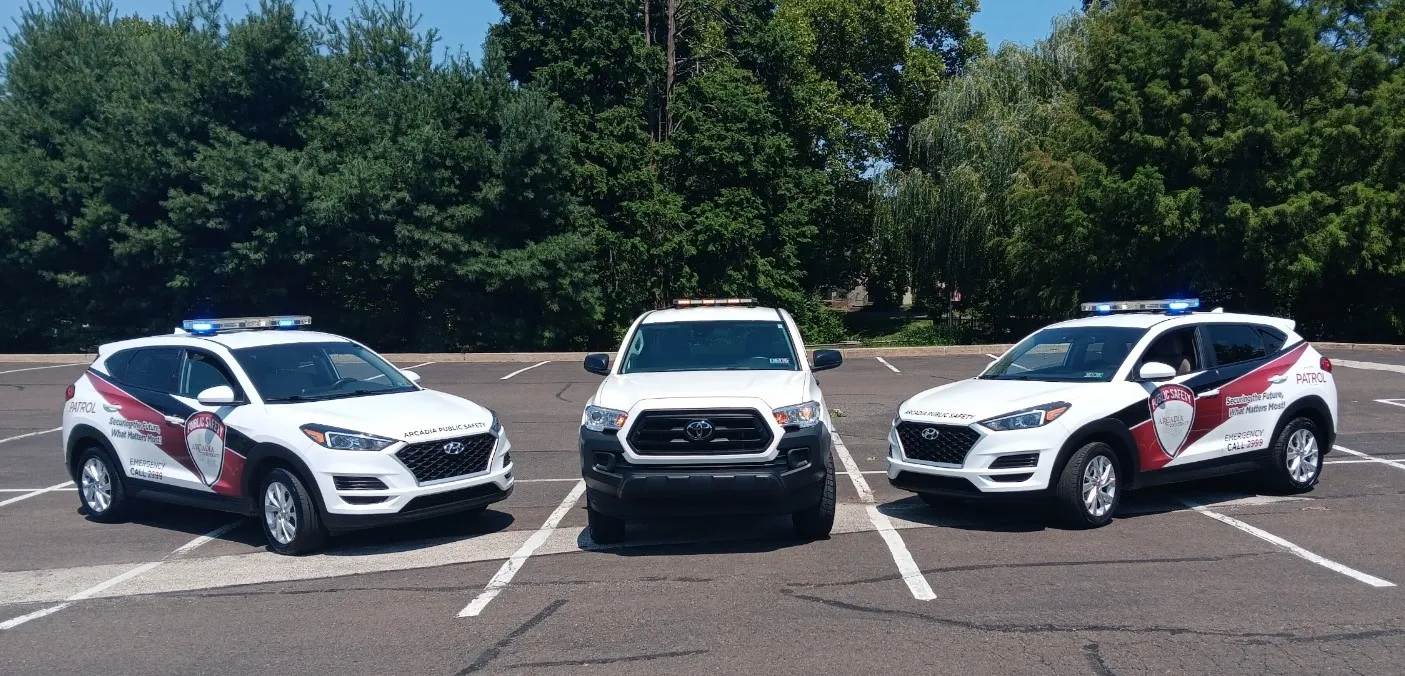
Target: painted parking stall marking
(31, 434)
(884, 362)
(41, 368)
(912, 575)
(40, 491)
(1392, 402)
(524, 370)
(1370, 458)
(509, 568)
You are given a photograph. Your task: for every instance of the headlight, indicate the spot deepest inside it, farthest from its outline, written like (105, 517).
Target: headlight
(1029, 418)
(345, 440)
(496, 428)
(599, 419)
(800, 415)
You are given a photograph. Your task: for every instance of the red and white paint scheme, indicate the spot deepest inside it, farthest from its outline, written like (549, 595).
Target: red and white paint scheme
(310, 432)
(1142, 393)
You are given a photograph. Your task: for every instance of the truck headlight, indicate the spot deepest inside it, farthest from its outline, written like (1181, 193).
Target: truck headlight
(800, 415)
(345, 440)
(599, 418)
(1029, 418)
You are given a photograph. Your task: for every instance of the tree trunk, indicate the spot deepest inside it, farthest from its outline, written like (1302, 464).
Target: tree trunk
(667, 126)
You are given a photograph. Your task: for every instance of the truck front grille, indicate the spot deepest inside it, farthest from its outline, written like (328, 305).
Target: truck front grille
(700, 432)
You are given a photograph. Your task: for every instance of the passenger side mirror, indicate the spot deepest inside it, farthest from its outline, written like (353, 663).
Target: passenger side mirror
(824, 360)
(414, 377)
(1155, 370)
(599, 364)
(220, 395)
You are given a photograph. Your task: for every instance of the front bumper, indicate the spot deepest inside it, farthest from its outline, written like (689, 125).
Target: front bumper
(974, 478)
(403, 499)
(793, 481)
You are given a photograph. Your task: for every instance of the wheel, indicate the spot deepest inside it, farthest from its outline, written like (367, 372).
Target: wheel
(815, 523)
(100, 487)
(1296, 457)
(1088, 492)
(604, 529)
(290, 519)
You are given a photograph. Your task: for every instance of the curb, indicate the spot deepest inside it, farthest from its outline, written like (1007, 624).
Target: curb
(532, 357)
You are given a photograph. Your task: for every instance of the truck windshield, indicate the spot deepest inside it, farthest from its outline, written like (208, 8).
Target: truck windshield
(710, 346)
(1080, 353)
(297, 372)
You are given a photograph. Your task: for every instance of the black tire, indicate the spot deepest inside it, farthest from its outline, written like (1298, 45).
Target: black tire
(1069, 507)
(307, 534)
(1280, 474)
(112, 489)
(815, 523)
(604, 529)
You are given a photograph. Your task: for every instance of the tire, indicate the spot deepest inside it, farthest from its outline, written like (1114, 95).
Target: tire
(282, 495)
(604, 529)
(815, 523)
(1086, 478)
(100, 489)
(1299, 441)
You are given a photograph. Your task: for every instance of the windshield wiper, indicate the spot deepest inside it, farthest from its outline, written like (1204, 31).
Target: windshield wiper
(292, 398)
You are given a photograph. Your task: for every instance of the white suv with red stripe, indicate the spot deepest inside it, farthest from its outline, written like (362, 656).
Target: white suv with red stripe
(309, 432)
(1142, 393)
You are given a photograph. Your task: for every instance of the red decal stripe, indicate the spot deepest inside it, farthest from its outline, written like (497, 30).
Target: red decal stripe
(172, 438)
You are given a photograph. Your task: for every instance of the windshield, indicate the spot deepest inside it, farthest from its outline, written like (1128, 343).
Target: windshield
(1081, 353)
(710, 346)
(295, 372)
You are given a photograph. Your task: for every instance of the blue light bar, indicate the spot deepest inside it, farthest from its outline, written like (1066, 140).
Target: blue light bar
(209, 327)
(1168, 305)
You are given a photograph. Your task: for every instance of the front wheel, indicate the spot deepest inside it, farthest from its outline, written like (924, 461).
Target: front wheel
(1296, 458)
(1089, 488)
(290, 519)
(100, 487)
(815, 523)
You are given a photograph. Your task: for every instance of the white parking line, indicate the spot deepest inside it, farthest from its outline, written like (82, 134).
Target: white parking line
(522, 370)
(991, 356)
(31, 434)
(1369, 458)
(1369, 365)
(1351, 462)
(31, 494)
(510, 567)
(884, 362)
(1392, 402)
(912, 575)
(119, 579)
(1290, 547)
(40, 368)
(407, 368)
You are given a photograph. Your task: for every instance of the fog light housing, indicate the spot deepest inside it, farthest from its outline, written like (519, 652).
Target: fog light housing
(605, 462)
(797, 457)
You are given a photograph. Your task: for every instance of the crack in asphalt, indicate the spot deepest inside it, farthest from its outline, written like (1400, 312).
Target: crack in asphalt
(605, 660)
(1037, 564)
(487, 656)
(563, 391)
(1095, 660)
(1049, 628)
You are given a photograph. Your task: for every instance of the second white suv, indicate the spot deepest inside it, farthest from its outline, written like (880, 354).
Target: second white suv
(709, 408)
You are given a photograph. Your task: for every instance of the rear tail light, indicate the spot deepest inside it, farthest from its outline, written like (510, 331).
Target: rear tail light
(1326, 364)
(68, 393)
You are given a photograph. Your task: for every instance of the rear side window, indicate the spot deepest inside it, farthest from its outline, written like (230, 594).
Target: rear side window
(153, 368)
(1273, 340)
(117, 364)
(1234, 343)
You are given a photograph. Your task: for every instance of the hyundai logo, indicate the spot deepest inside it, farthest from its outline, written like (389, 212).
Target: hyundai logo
(453, 448)
(930, 433)
(698, 430)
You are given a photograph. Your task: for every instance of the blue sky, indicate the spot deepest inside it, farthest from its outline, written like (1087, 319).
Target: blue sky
(465, 22)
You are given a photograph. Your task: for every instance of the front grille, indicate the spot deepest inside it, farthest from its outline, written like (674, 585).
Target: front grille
(734, 431)
(1015, 461)
(358, 483)
(433, 460)
(950, 445)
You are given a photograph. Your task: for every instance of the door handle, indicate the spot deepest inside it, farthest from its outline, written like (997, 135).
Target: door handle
(175, 421)
(1208, 393)
(1277, 379)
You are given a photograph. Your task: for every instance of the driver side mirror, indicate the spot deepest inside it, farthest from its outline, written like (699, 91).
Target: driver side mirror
(1155, 370)
(824, 360)
(220, 395)
(414, 377)
(599, 364)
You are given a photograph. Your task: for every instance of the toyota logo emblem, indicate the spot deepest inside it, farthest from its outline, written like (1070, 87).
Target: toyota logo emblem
(698, 430)
(453, 448)
(930, 433)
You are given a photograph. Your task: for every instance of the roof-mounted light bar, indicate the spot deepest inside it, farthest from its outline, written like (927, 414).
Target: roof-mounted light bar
(210, 327)
(1171, 305)
(705, 302)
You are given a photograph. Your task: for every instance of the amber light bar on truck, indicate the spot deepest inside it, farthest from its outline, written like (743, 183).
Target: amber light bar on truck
(706, 302)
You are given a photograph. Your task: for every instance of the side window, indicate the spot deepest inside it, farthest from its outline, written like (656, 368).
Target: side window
(154, 368)
(117, 364)
(1234, 343)
(1273, 340)
(1175, 348)
(200, 372)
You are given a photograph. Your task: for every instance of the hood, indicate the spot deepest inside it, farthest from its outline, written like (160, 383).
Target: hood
(409, 416)
(967, 401)
(775, 388)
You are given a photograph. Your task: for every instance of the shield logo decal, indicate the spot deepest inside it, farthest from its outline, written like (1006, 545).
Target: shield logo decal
(1172, 414)
(204, 439)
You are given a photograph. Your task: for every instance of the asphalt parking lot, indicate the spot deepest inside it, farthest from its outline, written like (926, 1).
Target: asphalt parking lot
(1248, 584)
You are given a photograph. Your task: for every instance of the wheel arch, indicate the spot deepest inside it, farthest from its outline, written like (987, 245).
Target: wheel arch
(263, 458)
(79, 438)
(1110, 432)
(1313, 408)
